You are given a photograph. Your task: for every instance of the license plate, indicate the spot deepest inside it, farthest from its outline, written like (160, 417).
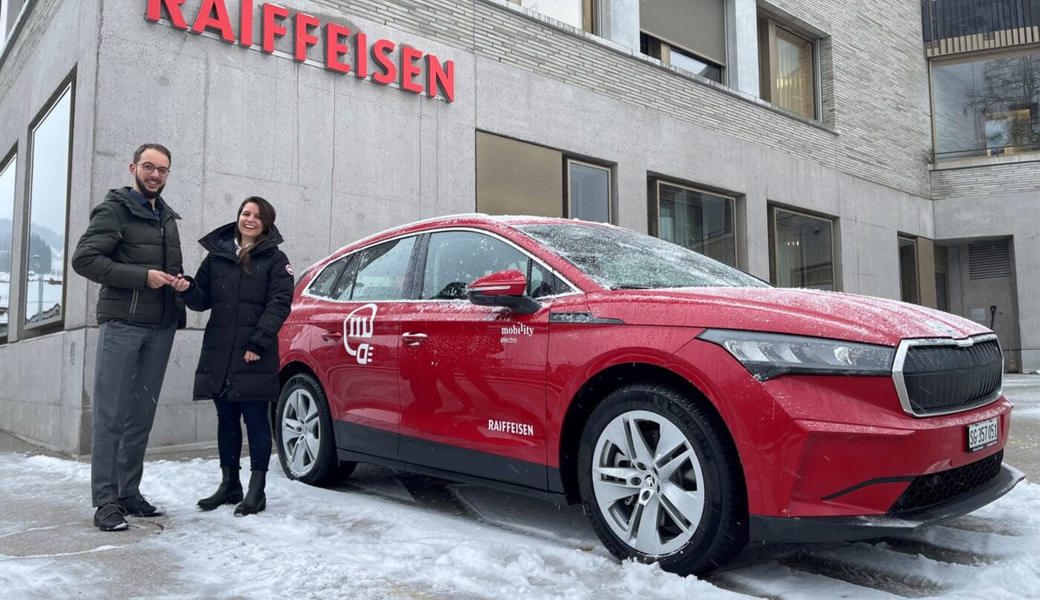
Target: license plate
(983, 434)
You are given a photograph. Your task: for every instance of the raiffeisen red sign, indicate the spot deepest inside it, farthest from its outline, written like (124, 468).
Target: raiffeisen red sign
(343, 51)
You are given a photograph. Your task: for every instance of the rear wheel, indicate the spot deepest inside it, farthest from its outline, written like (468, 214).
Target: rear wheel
(661, 482)
(303, 432)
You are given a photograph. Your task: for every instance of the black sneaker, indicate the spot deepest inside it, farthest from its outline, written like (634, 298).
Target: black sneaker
(137, 506)
(110, 517)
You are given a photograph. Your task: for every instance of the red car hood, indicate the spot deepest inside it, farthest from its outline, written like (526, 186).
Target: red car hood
(783, 310)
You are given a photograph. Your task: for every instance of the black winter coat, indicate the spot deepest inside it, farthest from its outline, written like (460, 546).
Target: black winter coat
(246, 312)
(122, 242)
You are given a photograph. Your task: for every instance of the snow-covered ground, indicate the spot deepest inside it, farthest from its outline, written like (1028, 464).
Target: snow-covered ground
(383, 535)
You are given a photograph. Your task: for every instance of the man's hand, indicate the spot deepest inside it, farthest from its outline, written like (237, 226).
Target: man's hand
(251, 356)
(157, 279)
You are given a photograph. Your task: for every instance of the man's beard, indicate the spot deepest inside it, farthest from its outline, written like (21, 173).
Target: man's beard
(145, 191)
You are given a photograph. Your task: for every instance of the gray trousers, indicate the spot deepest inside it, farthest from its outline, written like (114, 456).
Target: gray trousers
(128, 375)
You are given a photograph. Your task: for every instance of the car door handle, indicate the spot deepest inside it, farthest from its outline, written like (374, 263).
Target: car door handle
(332, 336)
(413, 339)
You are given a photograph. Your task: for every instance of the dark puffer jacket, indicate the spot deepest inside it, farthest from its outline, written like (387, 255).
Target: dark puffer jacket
(122, 242)
(246, 312)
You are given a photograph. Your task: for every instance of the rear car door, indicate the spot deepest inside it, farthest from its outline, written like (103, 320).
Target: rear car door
(361, 327)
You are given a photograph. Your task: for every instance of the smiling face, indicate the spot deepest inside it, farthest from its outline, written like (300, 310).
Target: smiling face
(150, 172)
(249, 224)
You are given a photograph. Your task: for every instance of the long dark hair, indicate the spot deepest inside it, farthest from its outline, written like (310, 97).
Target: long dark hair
(266, 214)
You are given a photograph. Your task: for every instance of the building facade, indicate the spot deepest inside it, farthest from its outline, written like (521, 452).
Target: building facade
(803, 141)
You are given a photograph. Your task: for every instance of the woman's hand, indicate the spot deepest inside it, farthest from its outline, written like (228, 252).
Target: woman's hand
(251, 356)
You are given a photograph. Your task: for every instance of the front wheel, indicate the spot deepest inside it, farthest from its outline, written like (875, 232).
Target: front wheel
(303, 432)
(661, 482)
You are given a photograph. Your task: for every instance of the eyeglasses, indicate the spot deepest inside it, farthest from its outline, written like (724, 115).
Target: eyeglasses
(148, 167)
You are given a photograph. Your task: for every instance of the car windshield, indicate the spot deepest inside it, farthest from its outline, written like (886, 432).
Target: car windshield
(618, 258)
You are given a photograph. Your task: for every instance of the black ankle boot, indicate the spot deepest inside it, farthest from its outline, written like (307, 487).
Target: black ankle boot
(255, 500)
(229, 492)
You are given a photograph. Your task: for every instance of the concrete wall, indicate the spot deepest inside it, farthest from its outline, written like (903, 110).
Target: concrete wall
(998, 200)
(41, 377)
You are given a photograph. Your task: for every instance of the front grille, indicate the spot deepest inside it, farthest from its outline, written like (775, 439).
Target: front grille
(930, 490)
(940, 377)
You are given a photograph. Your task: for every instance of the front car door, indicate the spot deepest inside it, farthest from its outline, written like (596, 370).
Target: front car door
(472, 378)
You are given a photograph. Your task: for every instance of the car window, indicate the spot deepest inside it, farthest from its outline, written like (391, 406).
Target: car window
(324, 282)
(457, 258)
(382, 272)
(619, 258)
(345, 284)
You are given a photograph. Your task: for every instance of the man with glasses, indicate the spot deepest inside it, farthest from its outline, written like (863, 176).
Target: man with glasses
(132, 248)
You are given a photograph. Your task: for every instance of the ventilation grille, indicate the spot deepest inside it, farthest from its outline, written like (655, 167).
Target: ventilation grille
(989, 259)
(935, 489)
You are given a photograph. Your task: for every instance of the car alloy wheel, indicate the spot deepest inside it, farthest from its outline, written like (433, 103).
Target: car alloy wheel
(648, 482)
(303, 431)
(660, 480)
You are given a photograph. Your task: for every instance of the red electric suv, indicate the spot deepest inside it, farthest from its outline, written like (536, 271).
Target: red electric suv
(692, 408)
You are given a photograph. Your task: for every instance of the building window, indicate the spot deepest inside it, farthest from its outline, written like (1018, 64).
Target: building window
(986, 105)
(677, 57)
(519, 178)
(7, 172)
(576, 13)
(787, 68)
(801, 250)
(684, 34)
(588, 191)
(695, 219)
(50, 156)
(908, 270)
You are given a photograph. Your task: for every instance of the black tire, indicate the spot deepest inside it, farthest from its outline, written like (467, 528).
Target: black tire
(304, 435)
(680, 500)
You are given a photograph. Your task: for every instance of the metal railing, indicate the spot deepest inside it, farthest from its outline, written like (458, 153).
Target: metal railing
(943, 19)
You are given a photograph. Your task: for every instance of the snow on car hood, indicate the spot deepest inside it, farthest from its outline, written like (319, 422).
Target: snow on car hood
(783, 310)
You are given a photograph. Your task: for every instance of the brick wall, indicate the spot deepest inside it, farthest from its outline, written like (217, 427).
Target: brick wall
(986, 180)
(874, 77)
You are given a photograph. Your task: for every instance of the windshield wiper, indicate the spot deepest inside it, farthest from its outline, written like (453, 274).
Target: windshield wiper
(632, 286)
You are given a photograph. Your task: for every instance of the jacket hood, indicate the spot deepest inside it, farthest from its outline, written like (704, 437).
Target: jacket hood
(783, 310)
(221, 240)
(123, 195)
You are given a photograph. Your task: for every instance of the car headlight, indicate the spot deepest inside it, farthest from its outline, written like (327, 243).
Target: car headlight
(769, 355)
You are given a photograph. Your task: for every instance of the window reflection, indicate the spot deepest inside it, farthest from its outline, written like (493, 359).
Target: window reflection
(571, 12)
(589, 191)
(787, 73)
(48, 198)
(801, 250)
(987, 106)
(7, 172)
(700, 221)
(908, 270)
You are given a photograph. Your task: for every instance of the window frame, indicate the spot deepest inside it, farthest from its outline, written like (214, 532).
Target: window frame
(774, 239)
(568, 212)
(9, 161)
(589, 22)
(654, 218)
(662, 50)
(1005, 152)
(901, 241)
(67, 87)
(768, 39)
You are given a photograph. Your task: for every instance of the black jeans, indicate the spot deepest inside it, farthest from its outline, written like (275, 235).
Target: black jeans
(229, 432)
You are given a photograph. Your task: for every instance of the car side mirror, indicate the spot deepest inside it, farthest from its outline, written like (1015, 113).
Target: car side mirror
(504, 288)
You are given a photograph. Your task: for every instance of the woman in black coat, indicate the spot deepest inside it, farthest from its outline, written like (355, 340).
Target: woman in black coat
(246, 283)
